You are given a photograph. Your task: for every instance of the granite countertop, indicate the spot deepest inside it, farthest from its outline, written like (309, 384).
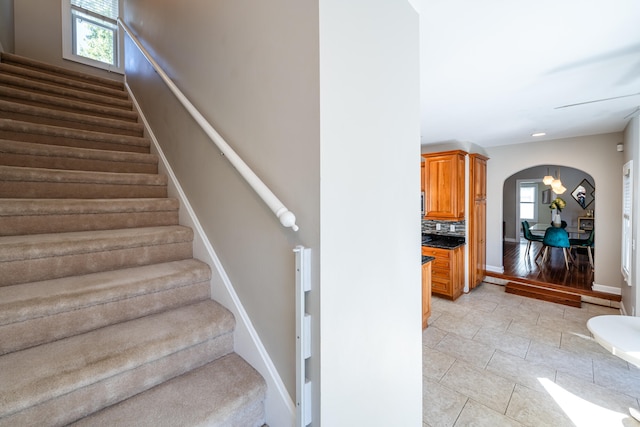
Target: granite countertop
(442, 241)
(426, 259)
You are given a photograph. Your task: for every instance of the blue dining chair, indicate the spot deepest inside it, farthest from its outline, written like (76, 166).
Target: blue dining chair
(556, 237)
(529, 237)
(585, 243)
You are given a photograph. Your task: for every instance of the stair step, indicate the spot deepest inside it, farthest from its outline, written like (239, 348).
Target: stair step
(68, 379)
(55, 135)
(66, 93)
(30, 183)
(55, 102)
(33, 155)
(40, 312)
(33, 114)
(227, 392)
(61, 81)
(38, 257)
(550, 295)
(9, 58)
(40, 216)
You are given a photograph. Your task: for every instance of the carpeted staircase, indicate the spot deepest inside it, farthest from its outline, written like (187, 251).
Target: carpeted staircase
(105, 317)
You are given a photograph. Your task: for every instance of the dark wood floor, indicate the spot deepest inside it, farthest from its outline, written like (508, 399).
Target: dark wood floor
(579, 276)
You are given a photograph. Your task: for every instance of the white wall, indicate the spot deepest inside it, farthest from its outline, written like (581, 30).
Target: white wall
(370, 338)
(595, 155)
(630, 294)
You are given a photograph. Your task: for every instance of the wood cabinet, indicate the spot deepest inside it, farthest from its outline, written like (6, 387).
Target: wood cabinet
(444, 185)
(426, 293)
(447, 273)
(477, 219)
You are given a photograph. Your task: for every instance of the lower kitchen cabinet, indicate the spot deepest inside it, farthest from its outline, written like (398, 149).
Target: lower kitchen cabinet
(447, 271)
(426, 293)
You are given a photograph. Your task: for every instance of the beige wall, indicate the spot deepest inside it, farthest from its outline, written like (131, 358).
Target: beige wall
(252, 72)
(597, 156)
(38, 35)
(6, 26)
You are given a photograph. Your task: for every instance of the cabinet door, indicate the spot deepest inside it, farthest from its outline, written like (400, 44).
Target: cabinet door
(477, 248)
(479, 176)
(426, 294)
(444, 186)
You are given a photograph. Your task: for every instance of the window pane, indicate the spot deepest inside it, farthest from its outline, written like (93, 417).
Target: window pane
(528, 194)
(108, 8)
(526, 210)
(94, 40)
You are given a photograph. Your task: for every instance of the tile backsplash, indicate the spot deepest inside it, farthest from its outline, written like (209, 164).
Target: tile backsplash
(431, 227)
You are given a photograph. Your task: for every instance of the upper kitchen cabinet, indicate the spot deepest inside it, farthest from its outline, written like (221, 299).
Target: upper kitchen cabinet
(444, 185)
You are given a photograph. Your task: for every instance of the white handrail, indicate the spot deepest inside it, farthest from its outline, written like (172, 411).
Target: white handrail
(286, 217)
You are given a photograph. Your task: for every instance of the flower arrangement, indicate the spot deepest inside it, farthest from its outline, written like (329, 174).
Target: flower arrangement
(558, 203)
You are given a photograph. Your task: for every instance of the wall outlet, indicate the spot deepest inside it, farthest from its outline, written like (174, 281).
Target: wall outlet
(452, 227)
(438, 227)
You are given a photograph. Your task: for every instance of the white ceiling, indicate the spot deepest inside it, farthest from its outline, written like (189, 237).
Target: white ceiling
(494, 71)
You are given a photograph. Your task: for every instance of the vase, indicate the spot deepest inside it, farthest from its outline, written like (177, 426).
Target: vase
(557, 221)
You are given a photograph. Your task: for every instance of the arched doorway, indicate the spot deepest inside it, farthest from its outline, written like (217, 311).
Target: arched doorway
(527, 197)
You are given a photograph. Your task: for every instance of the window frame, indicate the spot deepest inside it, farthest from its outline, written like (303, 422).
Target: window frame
(68, 40)
(533, 185)
(626, 258)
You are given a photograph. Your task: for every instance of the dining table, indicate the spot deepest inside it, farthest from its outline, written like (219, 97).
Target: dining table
(540, 228)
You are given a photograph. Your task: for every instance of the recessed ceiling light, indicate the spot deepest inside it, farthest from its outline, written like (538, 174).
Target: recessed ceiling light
(539, 134)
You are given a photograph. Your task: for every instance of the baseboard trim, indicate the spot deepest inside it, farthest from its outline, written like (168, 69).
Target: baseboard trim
(606, 289)
(279, 407)
(494, 269)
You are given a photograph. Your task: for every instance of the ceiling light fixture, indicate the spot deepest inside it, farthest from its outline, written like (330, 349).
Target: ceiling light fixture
(548, 179)
(557, 186)
(538, 134)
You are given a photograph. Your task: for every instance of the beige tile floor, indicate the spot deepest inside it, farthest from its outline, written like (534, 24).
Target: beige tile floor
(496, 359)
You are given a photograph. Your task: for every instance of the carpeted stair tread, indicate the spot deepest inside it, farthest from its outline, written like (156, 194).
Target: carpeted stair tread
(55, 102)
(34, 114)
(62, 81)
(44, 373)
(39, 216)
(40, 312)
(10, 58)
(226, 392)
(71, 94)
(11, 173)
(28, 258)
(56, 135)
(48, 297)
(34, 207)
(34, 155)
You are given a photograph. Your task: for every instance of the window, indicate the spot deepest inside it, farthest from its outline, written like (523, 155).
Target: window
(528, 201)
(627, 238)
(90, 33)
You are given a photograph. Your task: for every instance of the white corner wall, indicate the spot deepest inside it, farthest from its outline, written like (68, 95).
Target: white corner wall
(370, 332)
(595, 155)
(630, 294)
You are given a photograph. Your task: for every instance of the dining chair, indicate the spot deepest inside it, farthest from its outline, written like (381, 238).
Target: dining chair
(556, 237)
(530, 237)
(585, 243)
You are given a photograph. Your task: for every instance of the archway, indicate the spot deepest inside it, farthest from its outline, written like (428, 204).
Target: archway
(526, 197)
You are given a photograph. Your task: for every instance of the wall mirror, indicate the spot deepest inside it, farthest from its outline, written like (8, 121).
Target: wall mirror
(583, 194)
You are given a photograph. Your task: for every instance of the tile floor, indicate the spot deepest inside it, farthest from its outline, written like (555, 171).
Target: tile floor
(496, 359)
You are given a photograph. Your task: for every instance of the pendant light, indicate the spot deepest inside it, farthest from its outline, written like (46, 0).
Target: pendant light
(548, 179)
(557, 186)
